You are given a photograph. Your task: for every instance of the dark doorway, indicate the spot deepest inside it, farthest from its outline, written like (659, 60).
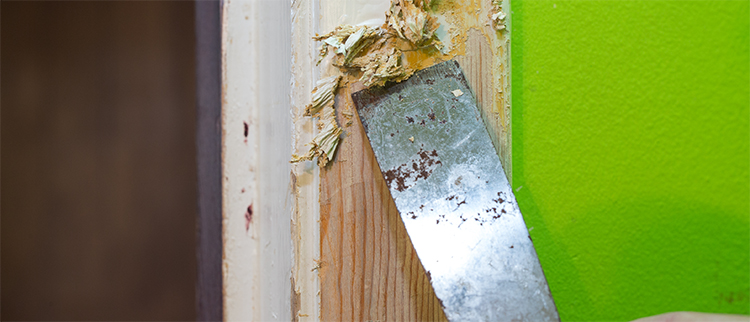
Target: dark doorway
(98, 160)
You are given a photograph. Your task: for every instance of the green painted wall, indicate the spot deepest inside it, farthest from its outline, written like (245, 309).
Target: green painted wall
(631, 150)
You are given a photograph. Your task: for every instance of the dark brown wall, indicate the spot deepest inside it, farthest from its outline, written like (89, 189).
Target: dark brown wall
(98, 160)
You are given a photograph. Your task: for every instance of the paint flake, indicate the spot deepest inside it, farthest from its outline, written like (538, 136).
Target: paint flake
(376, 53)
(322, 95)
(409, 19)
(457, 93)
(497, 17)
(347, 41)
(323, 145)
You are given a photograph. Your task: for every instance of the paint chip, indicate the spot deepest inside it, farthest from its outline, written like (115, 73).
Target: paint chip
(411, 139)
(322, 95)
(409, 19)
(377, 54)
(457, 93)
(347, 41)
(323, 145)
(497, 18)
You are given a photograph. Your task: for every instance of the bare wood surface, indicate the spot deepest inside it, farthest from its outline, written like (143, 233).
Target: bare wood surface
(368, 267)
(480, 67)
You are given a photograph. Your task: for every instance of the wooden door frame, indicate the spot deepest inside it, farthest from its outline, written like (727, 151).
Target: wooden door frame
(259, 231)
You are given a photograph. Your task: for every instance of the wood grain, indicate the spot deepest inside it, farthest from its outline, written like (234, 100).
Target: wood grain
(480, 68)
(369, 270)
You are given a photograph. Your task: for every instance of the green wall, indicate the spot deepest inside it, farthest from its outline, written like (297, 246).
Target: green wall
(631, 150)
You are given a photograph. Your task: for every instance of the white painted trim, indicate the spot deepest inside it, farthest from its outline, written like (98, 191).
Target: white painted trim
(256, 71)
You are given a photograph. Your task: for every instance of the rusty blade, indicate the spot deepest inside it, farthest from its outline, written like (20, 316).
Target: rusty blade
(454, 198)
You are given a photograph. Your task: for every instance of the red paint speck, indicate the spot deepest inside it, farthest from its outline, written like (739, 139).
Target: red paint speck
(248, 217)
(247, 129)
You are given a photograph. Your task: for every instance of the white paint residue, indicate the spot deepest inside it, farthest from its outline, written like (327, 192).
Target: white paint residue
(442, 34)
(498, 16)
(366, 13)
(457, 93)
(369, 13)
(305, 178)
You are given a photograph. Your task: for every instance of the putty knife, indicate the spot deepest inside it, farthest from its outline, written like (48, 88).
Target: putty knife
(454, 199)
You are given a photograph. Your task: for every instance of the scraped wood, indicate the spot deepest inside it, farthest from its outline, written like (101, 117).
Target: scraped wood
(368, 267)
(486, 75)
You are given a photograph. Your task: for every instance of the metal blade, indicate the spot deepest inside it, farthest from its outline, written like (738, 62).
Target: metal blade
(454, 199)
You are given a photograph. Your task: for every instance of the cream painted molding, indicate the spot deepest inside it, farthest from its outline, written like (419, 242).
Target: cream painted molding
(256, 149)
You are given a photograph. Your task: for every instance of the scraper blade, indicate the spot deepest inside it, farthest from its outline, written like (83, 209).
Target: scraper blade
(454, 198)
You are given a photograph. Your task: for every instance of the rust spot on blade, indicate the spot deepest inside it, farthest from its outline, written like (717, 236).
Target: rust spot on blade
(406, 175)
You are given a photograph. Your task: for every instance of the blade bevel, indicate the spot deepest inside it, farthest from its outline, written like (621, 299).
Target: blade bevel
(454, 198)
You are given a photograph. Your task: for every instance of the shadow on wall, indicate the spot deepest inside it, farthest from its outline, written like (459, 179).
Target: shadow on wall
(98, 161)
(670, 260)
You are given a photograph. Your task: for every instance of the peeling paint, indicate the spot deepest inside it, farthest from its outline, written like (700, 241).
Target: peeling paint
(410, 40)
(409, 19)
(325, 143)
(497, 17)
(322, 95)
(379, 53)
(372, 54)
